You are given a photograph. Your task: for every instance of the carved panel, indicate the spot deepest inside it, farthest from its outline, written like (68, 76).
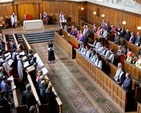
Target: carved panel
(27, 1)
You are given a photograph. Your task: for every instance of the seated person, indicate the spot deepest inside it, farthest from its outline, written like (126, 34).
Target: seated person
(122, 32)
(134, 59)
(138, 62)
(104, 34)
(119, 76)
(111, 57)
(127, 84)
(129, 55)
(99, 62)
(88, 53)
(132, 38)
(94, 28)
(119, 51)
(99, 31)
(73, 32)
(113, 29)
(117, 38)
(80, 36)
(100, 48)
(138, 39)
(127, 35)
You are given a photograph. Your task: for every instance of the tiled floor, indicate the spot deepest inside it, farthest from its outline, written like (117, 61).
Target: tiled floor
(78, 92)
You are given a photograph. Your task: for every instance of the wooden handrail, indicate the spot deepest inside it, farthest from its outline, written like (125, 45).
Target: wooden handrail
(4, 39)
(26, 43)
(16, 42)
(16, 104)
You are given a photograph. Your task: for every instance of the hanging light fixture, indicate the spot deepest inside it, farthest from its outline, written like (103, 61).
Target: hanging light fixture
(138, 27)
(103, 15)
(82, 8)
(124, 22)
(94, 12)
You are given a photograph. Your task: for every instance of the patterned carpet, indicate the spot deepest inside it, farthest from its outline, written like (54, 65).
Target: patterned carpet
(78, 92)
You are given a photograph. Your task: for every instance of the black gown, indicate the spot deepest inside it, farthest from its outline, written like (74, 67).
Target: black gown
(51, 56)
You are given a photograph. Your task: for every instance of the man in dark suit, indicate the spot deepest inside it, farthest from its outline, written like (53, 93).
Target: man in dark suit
(127, 35)
(4, 102)
(50, 99)
(86, 35)
(122, 32)
(28, 98)
(138, 39)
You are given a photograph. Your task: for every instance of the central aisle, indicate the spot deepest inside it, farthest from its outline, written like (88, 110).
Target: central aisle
(76, 89)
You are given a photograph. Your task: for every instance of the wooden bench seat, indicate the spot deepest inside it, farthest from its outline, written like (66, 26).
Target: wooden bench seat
(106, 82)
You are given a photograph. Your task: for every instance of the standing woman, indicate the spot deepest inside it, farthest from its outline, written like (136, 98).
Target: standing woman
(51, 56)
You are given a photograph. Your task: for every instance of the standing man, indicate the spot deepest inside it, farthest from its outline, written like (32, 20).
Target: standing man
(13, 20)
(61, 17)
(28, 97)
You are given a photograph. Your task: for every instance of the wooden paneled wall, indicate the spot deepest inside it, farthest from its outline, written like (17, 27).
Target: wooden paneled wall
(68, 8)
(73, 9)
(6, 9)
(113, 16)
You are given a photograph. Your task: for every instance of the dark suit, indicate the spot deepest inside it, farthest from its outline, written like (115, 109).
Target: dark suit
(5, 104)
(127, 36)
(28, 99)
(87, 33)
(42, 93)
(122, 33)
(50, 98)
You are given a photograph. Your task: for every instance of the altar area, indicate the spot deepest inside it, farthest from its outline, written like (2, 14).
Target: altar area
(33, 25)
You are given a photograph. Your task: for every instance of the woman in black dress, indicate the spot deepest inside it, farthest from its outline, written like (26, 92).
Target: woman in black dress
(51, 56)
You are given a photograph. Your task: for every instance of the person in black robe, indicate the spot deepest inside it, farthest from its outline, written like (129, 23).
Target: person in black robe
(28, 98)
(51, 56)
(5, 103)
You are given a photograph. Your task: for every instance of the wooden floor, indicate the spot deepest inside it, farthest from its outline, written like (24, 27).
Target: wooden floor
(74, 87)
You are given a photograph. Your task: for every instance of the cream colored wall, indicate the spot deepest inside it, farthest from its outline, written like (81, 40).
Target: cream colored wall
(1, 1)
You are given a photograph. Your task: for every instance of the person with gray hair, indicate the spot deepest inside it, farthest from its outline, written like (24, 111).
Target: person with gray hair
(28, 98)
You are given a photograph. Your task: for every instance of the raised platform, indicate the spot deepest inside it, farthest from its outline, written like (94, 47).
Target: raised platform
(19, 30)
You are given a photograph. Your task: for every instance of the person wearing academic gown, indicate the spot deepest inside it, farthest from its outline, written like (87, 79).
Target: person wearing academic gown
(51, 56)
(13, 19)
(20, 67)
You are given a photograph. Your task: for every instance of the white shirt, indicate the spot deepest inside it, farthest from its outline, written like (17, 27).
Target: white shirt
(111, 57)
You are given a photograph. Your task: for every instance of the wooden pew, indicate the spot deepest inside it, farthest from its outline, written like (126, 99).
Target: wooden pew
(20, 108)
(27, 46)
(42, 108)
(63, 44)
(112, 45)
(71, 39)
(132, 69)
(135, 49)
(106, 82)
(4, 40)
(59, 102)
(16, 42)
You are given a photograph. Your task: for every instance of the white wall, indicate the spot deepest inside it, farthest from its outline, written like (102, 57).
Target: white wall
(1, 1)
